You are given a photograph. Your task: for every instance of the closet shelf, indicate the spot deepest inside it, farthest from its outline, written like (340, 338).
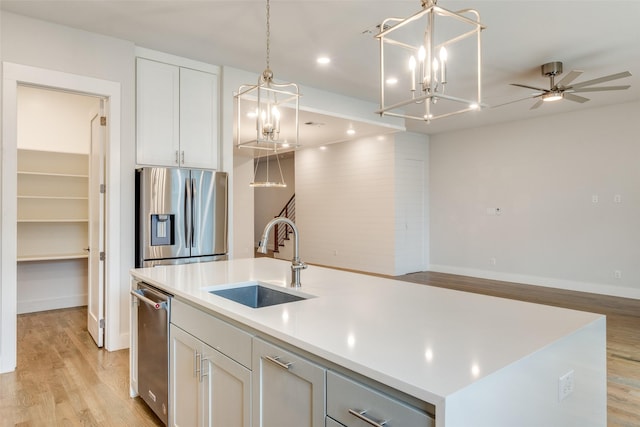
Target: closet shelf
(35, 220)
(52, 257)
(63, 175)
(52, 205)
(53, 197)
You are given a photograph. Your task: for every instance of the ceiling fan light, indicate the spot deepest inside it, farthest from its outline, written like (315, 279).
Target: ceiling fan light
(552, 96)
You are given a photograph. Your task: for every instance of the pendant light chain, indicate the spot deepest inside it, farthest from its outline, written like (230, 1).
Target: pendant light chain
(268, 34)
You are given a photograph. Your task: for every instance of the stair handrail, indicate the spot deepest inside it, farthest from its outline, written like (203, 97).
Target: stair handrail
(281, 233)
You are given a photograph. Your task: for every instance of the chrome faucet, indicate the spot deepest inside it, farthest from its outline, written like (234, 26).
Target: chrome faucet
(296, 264)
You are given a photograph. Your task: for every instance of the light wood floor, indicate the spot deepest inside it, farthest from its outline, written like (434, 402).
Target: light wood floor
(64, 380)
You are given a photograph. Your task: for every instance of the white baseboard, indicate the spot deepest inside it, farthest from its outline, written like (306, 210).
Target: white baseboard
(34, 305)
(549, 282)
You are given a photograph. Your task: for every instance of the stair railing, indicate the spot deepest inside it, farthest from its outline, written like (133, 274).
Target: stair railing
(281, 232)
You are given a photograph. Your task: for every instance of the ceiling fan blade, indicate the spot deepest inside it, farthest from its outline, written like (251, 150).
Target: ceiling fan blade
(575, 98)
(599, 89)
(530, 87)
(537, 104)
(600, 80)
(574, 74)
(511, 102)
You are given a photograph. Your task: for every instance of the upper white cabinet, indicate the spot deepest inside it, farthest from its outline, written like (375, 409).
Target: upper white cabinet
(176, 115)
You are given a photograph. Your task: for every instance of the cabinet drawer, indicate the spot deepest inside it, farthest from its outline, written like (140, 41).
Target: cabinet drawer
(345, 396)
(226, 338)
(288, 390)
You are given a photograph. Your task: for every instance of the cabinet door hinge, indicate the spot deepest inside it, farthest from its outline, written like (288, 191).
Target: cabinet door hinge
(103, 120)
(103, 189)
(102, 256)
(101, 323)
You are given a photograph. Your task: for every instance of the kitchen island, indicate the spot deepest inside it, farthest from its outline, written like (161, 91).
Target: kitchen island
(465, 359)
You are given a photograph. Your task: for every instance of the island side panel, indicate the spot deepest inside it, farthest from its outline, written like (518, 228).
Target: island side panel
(527, 393)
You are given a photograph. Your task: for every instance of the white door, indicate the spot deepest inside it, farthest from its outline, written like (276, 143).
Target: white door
(95, 303)
(410, 211)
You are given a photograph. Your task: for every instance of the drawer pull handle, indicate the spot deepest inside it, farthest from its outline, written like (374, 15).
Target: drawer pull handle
(276, 360)
(360, 415)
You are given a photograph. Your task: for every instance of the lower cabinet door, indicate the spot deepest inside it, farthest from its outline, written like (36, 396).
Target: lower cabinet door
(226, 391)
(288, 390)
(207, 389)
(184, 379)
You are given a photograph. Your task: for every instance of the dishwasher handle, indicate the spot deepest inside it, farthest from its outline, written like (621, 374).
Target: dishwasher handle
(138, 293)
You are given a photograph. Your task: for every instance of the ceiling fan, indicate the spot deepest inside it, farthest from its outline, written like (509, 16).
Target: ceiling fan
(564, 89)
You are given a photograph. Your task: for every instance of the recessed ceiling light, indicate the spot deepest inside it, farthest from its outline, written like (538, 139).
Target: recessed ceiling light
(323, 60)
(351, 131)
(323, 147)
(392, 81)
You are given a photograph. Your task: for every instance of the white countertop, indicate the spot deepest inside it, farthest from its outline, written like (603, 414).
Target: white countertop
(427, 342)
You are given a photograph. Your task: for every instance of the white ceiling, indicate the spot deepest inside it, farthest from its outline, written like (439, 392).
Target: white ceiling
(597, 37)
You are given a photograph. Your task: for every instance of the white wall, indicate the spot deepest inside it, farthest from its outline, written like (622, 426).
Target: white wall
(243, 208)
(345, 205)
(543, 174)
(363, 204)
(51, 120)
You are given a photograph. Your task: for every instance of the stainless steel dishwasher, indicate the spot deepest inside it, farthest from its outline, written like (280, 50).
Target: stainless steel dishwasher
(154, 314)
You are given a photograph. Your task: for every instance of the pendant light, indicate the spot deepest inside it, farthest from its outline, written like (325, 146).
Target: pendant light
(267, 108)
(417, 54)
(267, 181)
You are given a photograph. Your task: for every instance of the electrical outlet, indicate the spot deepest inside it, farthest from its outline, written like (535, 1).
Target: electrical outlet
(617, 274)
(566, 384)
(493, 261)
(594, 198)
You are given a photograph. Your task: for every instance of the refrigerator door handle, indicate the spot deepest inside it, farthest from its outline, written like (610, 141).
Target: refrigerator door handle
(193, 212)
(188, 212)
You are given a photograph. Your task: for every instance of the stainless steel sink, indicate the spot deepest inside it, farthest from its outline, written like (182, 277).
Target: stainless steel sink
(256, 295)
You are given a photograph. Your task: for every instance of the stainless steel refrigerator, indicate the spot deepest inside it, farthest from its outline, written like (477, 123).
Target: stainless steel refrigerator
(181, 216)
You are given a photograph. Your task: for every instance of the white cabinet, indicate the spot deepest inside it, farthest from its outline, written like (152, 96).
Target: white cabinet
(356, 405)
(53, 205)
(221, 375)
(288, 390)
(176, 116)
(207, 388)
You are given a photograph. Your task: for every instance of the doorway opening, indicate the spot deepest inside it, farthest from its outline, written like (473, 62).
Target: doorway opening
(60, 227)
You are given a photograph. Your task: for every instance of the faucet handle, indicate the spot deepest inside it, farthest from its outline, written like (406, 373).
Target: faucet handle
(298, 265)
